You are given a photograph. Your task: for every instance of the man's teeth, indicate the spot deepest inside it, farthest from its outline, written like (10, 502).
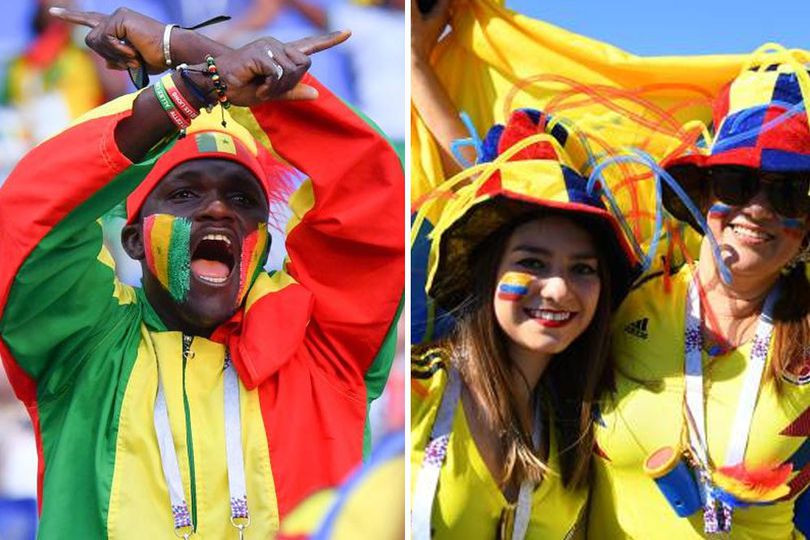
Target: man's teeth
(217, 237)
(740, 230)
(213, 279)
(551, 315)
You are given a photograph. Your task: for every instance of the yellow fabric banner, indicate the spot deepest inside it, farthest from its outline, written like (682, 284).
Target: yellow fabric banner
(511, 61)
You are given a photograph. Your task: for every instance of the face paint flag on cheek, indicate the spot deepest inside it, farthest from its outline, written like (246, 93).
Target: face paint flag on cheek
(168, 257)
(719, 210)
(253, 254)
(514, 286)
(793, 227)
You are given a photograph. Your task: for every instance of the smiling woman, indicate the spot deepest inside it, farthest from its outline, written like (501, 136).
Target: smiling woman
(530, 264)
(723, 357)
(557, 262)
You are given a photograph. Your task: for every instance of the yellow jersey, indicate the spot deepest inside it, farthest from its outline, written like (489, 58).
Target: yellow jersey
(646, 413)
(468, 501)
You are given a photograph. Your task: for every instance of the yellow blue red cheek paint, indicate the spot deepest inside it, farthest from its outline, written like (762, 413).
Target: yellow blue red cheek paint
(719, 210)
(167, 241)
(514, 285)
(794, 227)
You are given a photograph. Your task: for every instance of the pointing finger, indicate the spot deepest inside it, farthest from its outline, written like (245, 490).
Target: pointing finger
(84, 18)
(313, 44)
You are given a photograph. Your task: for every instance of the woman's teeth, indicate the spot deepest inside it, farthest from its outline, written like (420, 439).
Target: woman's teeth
(752, 234)
(551, 315)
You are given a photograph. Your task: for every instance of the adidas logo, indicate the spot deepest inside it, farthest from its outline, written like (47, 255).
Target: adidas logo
(638, 328)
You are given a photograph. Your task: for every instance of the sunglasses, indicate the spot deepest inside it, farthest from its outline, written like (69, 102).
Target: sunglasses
(787, 193)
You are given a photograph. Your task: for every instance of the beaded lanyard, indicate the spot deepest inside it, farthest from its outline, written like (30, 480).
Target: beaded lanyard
(716, 513)
(427, 480)
(240, 517)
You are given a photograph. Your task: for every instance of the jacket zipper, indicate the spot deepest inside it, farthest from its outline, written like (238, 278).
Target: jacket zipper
(188, 354)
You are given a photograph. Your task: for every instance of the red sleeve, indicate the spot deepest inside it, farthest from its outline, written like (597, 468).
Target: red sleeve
(347, 236)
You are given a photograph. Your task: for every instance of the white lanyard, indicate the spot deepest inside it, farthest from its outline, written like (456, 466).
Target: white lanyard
(427, 480)
(240, 517)
(695, 403)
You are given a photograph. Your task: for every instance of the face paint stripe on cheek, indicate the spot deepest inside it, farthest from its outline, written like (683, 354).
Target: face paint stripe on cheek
(793, 227)
(148, 224)
(719, 210)
(514, 286)
(180, 259)
(159, 239)
(252, 253)
(167, 240)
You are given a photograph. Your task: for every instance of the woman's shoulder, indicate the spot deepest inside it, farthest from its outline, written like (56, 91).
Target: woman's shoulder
(658, 289)
(429, 360)
(429, 365)
(647, 336)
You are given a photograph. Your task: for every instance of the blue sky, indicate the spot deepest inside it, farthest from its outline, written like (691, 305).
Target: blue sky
(680, 27)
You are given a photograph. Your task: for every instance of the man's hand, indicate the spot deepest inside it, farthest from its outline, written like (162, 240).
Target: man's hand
(122, 38)
(126, 37)
(269, 69)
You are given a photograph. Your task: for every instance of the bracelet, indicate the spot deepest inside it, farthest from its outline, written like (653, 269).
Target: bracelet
(166, 103)
(167, 36)
(198, 92)
(177, 97)
(219, 86)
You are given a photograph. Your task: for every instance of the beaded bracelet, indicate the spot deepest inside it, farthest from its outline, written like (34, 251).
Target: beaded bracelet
(168, 105)
(219, 86)
(201, 94)
(177, 97)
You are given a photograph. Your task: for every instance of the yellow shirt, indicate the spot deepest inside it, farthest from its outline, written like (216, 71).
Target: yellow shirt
(468, 501)
(646, 413)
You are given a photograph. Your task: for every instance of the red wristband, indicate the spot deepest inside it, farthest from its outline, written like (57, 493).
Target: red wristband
(178, 99)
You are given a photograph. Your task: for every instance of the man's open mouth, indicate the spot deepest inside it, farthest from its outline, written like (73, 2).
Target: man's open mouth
(212, 260)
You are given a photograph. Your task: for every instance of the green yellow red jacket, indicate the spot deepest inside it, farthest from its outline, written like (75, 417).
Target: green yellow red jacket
(84, 351)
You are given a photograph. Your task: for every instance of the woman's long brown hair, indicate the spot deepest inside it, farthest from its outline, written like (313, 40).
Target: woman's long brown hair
(574, 378)
(791, 325)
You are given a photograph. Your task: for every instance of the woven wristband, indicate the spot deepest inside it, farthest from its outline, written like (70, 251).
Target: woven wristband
(168, 106)
(178, 99)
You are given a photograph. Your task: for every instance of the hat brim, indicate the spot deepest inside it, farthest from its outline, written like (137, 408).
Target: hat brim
(452, 281)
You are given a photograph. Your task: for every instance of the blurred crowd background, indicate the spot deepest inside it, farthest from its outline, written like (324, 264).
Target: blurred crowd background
(48, 77)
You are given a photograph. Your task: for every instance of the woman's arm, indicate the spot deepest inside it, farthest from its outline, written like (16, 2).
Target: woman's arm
(427, 93)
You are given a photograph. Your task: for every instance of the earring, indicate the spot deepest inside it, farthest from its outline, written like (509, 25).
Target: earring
(802, 257)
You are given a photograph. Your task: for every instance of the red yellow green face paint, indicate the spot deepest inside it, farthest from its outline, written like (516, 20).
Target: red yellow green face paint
(168, 257)
(514, 285)
(253, 254)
